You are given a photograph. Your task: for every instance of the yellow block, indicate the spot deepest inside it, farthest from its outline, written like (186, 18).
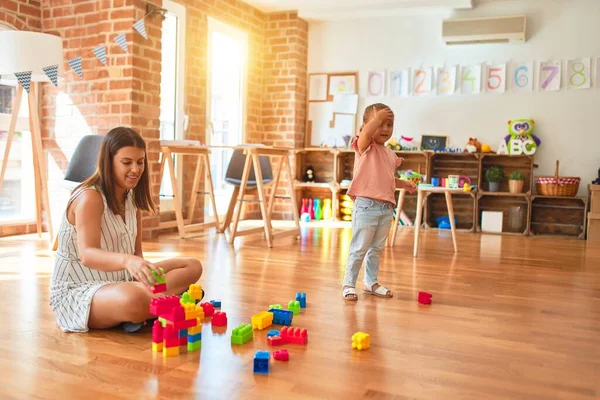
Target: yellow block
(195, 291)
(193, 311)
(194, 330)
(156, 347)
(361, 341)
(262, 320)
(170, 351)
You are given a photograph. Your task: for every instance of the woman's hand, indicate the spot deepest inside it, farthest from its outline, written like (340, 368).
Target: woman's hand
(141, 270)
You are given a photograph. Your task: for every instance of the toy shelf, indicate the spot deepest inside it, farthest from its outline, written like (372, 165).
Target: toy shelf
(515, 212)
(560, 216)
(522, 163)
(463, 164)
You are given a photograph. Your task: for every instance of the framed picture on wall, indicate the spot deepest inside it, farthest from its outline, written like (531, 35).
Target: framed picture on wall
(317, 87)
(433, 142)
(342, 84)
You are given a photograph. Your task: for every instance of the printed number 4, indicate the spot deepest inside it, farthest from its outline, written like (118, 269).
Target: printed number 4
(467, 77)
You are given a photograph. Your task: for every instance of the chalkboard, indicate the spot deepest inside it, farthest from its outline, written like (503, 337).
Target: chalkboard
(432, 142)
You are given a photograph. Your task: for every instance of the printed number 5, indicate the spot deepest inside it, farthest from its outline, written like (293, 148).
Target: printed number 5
(497, 77)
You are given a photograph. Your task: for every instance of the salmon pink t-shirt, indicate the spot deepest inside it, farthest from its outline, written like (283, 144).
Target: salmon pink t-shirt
(374, 173)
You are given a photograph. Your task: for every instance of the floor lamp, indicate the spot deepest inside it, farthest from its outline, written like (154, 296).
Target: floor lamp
(22, 52)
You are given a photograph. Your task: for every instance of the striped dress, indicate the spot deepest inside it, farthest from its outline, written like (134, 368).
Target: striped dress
(74, 284)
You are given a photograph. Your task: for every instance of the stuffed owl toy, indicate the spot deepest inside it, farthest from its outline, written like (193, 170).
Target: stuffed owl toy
(521, 129)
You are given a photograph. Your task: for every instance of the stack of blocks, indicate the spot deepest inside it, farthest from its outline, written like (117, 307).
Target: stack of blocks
(161, 282)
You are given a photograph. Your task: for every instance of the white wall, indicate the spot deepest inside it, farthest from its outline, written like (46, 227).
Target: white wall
(567, 122)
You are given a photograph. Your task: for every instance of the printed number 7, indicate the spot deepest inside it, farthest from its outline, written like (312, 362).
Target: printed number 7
(553, 72)
(491, 76)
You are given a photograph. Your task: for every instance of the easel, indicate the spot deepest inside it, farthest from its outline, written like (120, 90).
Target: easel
(185, 227)
(266, 208)
(42, 200)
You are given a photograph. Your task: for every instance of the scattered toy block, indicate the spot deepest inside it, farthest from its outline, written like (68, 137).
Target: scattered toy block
(281, 355)
(162, 305)
(294, 335)
(242, 334)
(208, 308)
(273, 332)
(275, 306)
(301, 297)
(159, 278)
(261, 362)
(262, 320)
(195, 291)
(275, 341)
(424, 298)
(294, 306)
(216, 303)
(219, 319)
(159, 288)
(361, 341)
(170, 351)
(156, 347)
(194, 346)
(194, 338)
(282, 317)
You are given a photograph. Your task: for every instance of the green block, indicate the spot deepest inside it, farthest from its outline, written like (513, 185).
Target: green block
(275, 306)
(194, 346)
(187, 299)
(294, 306)
(162, 321)
(159, 278)
(242, 334)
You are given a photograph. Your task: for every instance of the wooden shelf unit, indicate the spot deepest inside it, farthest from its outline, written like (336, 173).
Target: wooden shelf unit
(523, 163)
(559, 216)
(516, 211)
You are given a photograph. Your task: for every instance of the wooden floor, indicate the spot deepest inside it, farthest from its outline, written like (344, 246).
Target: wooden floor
(512, 317)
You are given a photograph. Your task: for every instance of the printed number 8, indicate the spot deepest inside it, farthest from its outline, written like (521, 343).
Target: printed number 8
(578, 72)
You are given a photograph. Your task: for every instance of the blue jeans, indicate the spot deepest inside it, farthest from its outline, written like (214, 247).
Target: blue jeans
(371, 221)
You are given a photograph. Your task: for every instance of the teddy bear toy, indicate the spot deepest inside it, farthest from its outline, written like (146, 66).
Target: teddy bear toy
(309, 174)
(473, 146)
(522, 130)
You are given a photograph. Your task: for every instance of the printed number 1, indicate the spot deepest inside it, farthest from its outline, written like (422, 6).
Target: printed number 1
(398, 77)
(553, 72)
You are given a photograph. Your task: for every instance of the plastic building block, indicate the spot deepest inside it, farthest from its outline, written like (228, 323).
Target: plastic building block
(424, 298)
(194, 338)
(361, 341)
(159, 288)
(301, 297)
(159, 278)
(281, 355)
(171, 342)
(273, 332)
(156, 347)
(185, 324)
(261, 362)
(282, 317)
(262, 320)
(157, 332)
(294, 306)
(208, 308)
(195, 329)
(183, 341)
(216, 303)
(275, 306)
(170, 333)
(162, 321)
(186, 299)
(294, 335)
(162, 305)
(183, 332)
(275, 341)
(194, 346)
(193, 311)
(176, 314)
(195, 291)
(219, 319)
(242, 334)
(170, 351)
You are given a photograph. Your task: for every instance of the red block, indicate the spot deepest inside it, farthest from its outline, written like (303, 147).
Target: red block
(176, 314)
(275, 341)
(171, 342)
(219, 318)
(178, 325)
(424, 298)
(183, 341)
(157, 332)
(281, 355)
(162, 305)
(160, 288)
(208, 308)
(294, 335)
(170, 333)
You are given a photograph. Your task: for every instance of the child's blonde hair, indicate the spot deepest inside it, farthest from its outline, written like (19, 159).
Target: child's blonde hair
(368, 114)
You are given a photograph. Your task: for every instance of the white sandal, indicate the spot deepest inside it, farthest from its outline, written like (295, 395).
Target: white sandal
(349, 291)
(381, 291)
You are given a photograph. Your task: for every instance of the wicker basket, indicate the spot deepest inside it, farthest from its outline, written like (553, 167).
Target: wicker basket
(566, 186)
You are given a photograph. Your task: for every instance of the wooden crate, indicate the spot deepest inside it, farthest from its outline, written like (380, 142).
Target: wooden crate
(564, 216)
(515, 208)
(594, 199)
(593, 230)
(322, 161)
(523, 163)
(344, 165)
(463, 164)
(417, 161)
(464, 210)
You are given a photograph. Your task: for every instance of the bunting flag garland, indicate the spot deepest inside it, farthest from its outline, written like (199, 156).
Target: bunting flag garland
(100, 52)
(140, 27)
(51, 72)
(75, 63)
(121, 40)
(24, 79)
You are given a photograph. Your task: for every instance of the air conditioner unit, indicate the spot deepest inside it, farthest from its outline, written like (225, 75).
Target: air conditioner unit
(484, 30)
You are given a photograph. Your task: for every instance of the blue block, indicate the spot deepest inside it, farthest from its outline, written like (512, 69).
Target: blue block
(261, 362)
(301, 297)
(273, 332)
(216, 303)
(282, 317)
(183, 333)
(195, 338)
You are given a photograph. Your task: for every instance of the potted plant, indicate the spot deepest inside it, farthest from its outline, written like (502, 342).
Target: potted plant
(494, 176)
(516, 180)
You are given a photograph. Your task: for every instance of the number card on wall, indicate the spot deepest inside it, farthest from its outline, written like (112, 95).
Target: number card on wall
(376, 84)
(578, 73)
(597, 72)
(549, 76)
(522, 77)
(399, 83)
(495, 78)
(446, 80)
(423, 81)
(470, 79)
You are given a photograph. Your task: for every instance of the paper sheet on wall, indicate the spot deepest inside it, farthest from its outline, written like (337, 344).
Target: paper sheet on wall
(579, 74)
(344, 125)
(522, 77)
(376, 83)
(342, 84)
(597, 83)
(446, 80)
(399, 83)
(321, 115)
(317, 87)
(470, 79)
(422, 81)
(495, 78)
(345, 103)
(549, 75)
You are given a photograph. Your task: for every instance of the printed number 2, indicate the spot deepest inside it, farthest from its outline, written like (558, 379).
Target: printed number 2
(553, 72)
(491, 76)
(423, 74)
(445, 79)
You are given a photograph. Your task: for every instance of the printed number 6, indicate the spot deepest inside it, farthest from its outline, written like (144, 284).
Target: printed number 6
(522, 80)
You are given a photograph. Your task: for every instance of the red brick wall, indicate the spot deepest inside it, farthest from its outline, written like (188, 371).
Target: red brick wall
(24, 15)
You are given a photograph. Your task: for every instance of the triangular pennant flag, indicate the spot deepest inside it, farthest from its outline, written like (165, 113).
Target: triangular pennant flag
(141, 28)
(100, 52)
(24, 79)
(75, 63)
(52, 73)
(122, 41)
